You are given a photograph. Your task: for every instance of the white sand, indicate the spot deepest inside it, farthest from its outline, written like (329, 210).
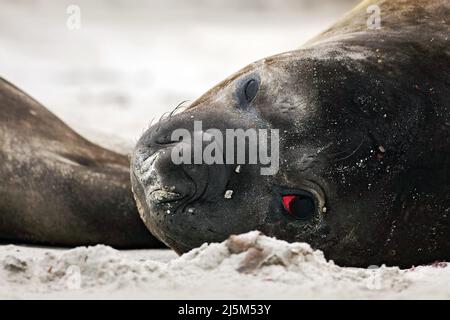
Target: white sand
(128, 64)
(248, 266)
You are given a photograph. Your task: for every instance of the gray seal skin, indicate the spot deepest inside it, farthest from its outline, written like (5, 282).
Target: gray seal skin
(57, 188)
(364, 146)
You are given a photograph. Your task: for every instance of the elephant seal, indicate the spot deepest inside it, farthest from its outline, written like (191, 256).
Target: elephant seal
(363, 118)
(56, 187)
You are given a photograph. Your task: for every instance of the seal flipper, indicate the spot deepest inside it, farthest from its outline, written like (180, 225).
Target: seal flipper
(56, 187)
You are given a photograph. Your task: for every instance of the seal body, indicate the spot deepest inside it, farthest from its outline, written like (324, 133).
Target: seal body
(363, 116)
(57, 188)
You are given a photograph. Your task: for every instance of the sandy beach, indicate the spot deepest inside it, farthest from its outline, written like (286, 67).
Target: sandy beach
(249, 266)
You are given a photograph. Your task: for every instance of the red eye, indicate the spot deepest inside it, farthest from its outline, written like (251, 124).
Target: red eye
(287, 202)
(299, 206)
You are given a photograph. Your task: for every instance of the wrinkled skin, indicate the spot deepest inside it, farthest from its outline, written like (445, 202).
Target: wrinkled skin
(364, 131)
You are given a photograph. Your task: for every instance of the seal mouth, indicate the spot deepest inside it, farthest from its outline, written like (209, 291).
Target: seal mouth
(164, 196)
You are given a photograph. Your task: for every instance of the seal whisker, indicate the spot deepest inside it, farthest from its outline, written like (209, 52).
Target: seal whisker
(151, 122)
(161, 119)
(169, 114)
(352, 153)
(179, 107)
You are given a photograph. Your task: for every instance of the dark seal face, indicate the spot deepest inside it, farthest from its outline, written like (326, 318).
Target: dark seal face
(363, 156)
(188, 204)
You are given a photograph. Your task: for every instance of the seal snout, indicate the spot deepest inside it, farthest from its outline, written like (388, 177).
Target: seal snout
(160, 182)
(166, 182)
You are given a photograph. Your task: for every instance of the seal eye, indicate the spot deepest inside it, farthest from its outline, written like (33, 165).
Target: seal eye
(299, 206)
(251, 88)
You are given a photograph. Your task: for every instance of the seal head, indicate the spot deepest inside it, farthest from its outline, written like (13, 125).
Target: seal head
(363, 149)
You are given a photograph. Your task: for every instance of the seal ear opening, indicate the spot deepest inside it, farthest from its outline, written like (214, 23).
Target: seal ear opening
(251, 88)
(247, 89)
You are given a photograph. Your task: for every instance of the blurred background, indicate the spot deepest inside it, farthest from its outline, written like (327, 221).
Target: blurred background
(128, 61)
